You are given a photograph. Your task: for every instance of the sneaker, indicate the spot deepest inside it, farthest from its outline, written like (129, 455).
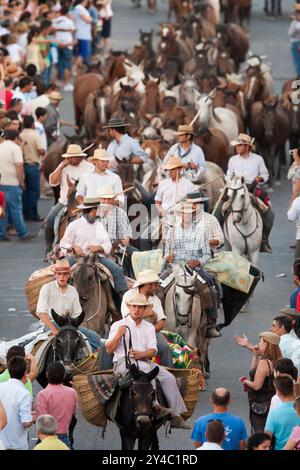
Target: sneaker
(28, 237)
(177, 422)
(68, 87)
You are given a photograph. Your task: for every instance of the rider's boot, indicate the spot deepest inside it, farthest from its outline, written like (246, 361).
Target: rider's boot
(211, 329)
(160, 411)
(49, 237)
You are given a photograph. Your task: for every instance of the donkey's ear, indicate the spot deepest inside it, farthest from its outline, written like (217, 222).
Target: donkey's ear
(242, 180)
(134, 371)
(151, 375)
(78, 320)
(61, 321)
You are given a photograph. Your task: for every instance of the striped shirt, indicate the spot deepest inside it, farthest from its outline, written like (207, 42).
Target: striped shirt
(115, 221)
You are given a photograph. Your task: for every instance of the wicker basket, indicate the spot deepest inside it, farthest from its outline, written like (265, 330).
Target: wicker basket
(34, 285)
(188, 382)
(90, 365)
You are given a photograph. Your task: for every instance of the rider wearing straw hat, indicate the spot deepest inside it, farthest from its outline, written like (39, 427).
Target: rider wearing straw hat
(191, 154)
(91, 184)
(252, 167)
(144, 348)
(71, 169)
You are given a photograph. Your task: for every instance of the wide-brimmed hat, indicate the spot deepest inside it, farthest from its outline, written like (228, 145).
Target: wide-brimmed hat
(115, 122)
(101, 154)
(174, 162)
(146, 277)
(182, 130)
(62, 266)
(291, 312)
(243, 139)
(55, 96)
(107, 192)
(270, 337)
(186, 208)
(139, 299)
(89, 203)
(74, 150)
(196, 198)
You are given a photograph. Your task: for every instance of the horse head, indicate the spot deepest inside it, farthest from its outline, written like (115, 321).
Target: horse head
(183, 295)
(68, 340)
(146, 38)
(142, 395)
(269, 118)
(238, 196)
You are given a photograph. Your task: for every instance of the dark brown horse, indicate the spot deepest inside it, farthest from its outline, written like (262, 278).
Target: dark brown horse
(84, 85)
(179, 8)
(150, 103)
(234, 38)
(215, 146)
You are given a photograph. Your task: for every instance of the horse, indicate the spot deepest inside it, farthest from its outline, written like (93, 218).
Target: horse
(180, 8)
(150, 103)
(95, 294)
(84, 85)
(185, 315)
(136, 414)
(96, 113)
(214, 144)
(290, 103)
(186, 90)
(243, 224)
(234, 38)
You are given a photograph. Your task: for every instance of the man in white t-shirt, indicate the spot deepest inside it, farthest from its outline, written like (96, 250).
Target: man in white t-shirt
(65, 29)
(83, 23)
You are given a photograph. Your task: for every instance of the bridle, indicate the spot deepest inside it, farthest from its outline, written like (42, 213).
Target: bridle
(187, 319)
(57, 356)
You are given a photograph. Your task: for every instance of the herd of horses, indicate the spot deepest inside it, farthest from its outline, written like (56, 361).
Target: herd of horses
(200, 67)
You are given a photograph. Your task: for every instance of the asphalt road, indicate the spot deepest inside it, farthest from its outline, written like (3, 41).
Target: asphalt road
(228, 361)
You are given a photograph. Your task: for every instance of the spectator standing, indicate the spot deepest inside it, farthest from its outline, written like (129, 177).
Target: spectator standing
(106, 15)
(33, 51)
(235, 429)
(294, 440)
(283, 366)
(64, 35)
(12, 184)
(17, 403)
(23, 90)
(30, 375)
(41, 117)
(33, 151)
(58, 401)
(282, 325)
(46, 432)
(281, 422)
(3, 422)
(52, 123)
(293, 215)
(215, 435)
(294, 174)
(259, 441)
(294, 33)
(83, 23)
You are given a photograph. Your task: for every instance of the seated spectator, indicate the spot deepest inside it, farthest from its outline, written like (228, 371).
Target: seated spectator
(46, 432)
(215, 435)
(235, 429)
(259, 441)
(294, 440)
(281, 422)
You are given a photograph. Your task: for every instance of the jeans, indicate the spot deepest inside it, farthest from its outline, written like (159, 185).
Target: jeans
(164, 350)
(31, 194)
(296, 56)
(117, 274)
(46, 74)
(49, 227)
(64, 61)
(13, 211)
(127, 265)
(92, 337)
(65, 439)
(84, 50)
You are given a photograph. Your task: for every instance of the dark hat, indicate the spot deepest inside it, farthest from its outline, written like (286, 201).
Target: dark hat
(291, 312)
(196, 197)
(116, 122)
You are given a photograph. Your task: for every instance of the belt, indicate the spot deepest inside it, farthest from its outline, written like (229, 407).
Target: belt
(31, 164)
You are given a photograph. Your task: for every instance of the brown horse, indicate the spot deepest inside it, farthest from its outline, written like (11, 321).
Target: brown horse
(150, 103)
(95, 294)
(96, 113)
(84, 85)
(215, 146)
(234, 38)
(290, 102)
(179, 8)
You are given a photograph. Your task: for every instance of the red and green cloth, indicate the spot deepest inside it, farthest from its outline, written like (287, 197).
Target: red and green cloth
(183, 354)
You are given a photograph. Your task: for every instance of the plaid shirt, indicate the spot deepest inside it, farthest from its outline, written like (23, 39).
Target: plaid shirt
(116, 224)
(189, 243)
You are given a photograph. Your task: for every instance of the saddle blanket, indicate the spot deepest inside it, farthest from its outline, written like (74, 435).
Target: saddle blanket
(232, 270)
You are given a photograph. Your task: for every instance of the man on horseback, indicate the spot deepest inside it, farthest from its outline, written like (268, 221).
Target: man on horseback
(190, 153)
(86, 235)
(91, 183)
(188, 243)
(72, 168)
(61, 297)
(148, 283)
(115, 221)
(140, 340)
(252, 167)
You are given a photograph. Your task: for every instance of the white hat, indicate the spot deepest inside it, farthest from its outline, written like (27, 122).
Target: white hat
(89, 203)
(107, 192)
(74, 150)
(139, 299)
(101, 154)
(146, 277)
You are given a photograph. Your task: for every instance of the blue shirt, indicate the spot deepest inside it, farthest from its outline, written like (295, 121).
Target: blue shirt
(194, 154)
(281, 422)
(235, 429)
(293, 298)
(126, 148)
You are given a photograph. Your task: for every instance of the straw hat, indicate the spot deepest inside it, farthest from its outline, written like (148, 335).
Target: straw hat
(107, 192)
(139, 299)
(115, 122)
(89, 203)
(197, 197)
(243, 139)
(101, 154)
(62, 266)
(270, 337)
(146, 277)
(74, 150)
(186, 208)
(55, 96)
(174, 162)
(291, 312)
(182, 130)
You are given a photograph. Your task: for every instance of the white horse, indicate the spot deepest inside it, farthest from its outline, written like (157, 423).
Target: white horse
(243, 226)
(220, 118)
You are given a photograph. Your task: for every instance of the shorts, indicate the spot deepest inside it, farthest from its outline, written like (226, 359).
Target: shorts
(106, 28)
(84, 49)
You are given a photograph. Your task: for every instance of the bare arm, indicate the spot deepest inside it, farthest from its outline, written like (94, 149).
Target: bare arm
(44, 317)
(87, 19)
(112, 345)
(261, 373)
(160, 325)
(33, 373)
(55, 176)
(142, 355)
(197, 444)
(3, 417)
(296, 191)
(160, 210)
(20, 174)
(290, 445)
(242, 445)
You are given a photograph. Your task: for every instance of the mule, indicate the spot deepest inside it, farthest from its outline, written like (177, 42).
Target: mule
(243, 226)
(136, 415)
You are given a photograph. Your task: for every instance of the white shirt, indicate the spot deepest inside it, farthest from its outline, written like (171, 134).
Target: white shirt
(91, 184)
(288, 345)
(275, 402)
(209, 446)
(143, 336)
(17, 403)
(80, 232)
(294, 215)
(15, 52)
(249, 167)
(10, 155)
(64, 37)
(39, 127)
(166, 192)
(24, 97)
(51, 296)
(41, 101)
(153, 299)
(83, 29)
(74, 173)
